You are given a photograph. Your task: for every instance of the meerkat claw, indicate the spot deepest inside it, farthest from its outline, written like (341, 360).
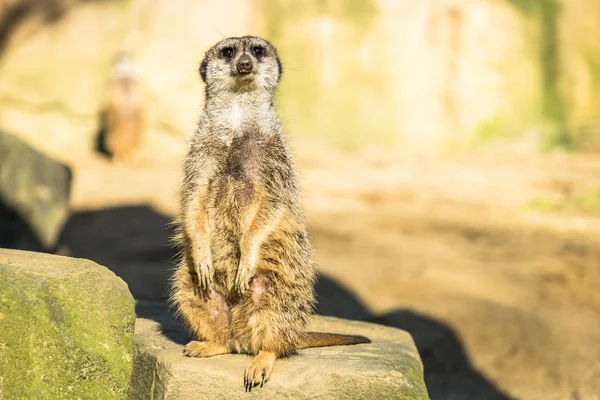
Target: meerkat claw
(204, 280)
(248, 384)
(242, 280)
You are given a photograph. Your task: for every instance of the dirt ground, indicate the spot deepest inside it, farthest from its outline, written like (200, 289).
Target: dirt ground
(501, 297)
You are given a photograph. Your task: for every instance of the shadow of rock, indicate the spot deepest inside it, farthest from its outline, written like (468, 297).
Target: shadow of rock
(449, 374)
(15, 233)
(336, 301)
(169, 325)
(132, 241)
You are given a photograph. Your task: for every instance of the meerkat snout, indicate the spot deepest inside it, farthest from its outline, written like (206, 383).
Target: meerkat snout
(245, 65)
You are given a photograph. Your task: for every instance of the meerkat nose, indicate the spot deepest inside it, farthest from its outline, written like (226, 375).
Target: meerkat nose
(244, 65)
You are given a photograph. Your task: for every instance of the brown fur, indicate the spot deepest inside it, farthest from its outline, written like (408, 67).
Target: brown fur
(245, 280)
(123, 115)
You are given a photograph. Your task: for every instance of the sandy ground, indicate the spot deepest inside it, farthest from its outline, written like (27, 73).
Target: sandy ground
(503, 301)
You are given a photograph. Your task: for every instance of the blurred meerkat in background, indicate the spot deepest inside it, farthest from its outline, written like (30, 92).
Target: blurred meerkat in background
(122, 125)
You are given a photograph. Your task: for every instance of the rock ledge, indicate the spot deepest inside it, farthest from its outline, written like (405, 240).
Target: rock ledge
(389, 367)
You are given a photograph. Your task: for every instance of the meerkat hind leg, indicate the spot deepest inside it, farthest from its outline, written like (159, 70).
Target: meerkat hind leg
(204, 349)
(207, 320)
(259, 370)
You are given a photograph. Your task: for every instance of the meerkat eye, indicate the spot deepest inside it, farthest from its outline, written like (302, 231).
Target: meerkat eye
(228, 52)
(258, 51)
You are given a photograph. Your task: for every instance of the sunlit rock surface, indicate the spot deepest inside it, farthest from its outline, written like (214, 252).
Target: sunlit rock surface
(66, 329)
(387, 368)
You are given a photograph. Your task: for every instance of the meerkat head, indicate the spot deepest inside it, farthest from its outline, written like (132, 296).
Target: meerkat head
(123, 66)
(241, 64)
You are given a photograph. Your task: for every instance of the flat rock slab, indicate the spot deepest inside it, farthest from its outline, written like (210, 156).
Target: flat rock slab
(66, 329)
(387, 368)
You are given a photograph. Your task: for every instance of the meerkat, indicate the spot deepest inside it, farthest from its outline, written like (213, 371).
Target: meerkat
(123, 115)
(245, 282)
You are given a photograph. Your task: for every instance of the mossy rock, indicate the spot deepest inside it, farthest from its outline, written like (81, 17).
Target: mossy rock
(66, 329)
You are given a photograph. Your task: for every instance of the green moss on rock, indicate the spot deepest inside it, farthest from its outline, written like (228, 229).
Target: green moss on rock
(66, 330)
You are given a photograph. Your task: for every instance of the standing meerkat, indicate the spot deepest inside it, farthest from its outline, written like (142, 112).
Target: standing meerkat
(245, 280)
(123, 116)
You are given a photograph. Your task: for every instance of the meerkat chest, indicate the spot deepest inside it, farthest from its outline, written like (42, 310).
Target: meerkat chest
(241, 162)
(235, 117)
(235, 183)
(242, 115)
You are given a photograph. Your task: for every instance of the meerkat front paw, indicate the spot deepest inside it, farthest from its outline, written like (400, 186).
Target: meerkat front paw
(243, 276)
(205, 278)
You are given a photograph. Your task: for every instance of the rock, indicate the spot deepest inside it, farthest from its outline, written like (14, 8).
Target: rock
(388, 368)
(66, 329)
(34, 196)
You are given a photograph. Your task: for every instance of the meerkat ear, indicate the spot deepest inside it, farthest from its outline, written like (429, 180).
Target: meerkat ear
(203, 65)
(279, 67)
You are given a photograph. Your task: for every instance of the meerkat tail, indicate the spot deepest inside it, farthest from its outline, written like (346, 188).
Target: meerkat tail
(320, 339)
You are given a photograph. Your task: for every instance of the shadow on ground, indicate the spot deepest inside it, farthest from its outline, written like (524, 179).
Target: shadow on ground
(133, 242)
(15, 232)
(449, 374)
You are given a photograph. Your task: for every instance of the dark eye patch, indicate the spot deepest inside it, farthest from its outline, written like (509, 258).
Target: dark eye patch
(227, 52)
(259, 51)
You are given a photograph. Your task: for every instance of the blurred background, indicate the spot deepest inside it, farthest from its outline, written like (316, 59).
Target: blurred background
(447, 151)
